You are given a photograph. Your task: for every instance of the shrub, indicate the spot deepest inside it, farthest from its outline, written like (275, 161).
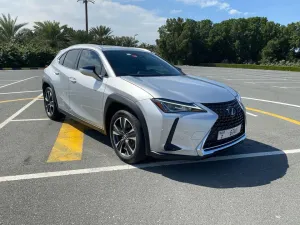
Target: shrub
(251, 66)
(17, 55)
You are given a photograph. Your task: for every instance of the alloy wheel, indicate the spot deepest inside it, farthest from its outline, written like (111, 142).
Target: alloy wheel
(124, 136)
(49, 102)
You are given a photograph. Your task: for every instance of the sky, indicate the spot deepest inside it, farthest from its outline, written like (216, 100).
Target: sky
(144, 17)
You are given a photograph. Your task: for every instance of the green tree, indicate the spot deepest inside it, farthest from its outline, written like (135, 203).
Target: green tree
(52, 33)
(152, 48)
(25, 36)
(101, 34)
(79, 37)
(9, 28)
(169, 42)
(277, 49)
(125, 41)
(293, 32)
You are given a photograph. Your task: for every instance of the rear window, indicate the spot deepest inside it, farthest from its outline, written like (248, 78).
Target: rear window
(138, 63)
(71, 58)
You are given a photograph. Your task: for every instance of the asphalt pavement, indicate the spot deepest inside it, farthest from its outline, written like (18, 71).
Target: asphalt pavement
(44, 182)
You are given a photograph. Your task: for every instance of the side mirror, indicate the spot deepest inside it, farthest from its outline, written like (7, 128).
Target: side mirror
(89, 71)
(180, 70)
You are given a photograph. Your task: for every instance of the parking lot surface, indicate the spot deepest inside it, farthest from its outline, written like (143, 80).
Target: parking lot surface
(44, 182)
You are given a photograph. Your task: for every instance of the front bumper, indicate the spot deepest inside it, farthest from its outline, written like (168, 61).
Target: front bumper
(205, 152)
(184, 134)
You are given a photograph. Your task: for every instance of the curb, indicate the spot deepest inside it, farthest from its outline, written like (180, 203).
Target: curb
(25, 68)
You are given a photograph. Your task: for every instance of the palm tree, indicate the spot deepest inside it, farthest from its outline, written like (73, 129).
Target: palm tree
(25, 36)
(52, 33)
(125, 41)
(9, 28)
(101, 33)
(80, 37)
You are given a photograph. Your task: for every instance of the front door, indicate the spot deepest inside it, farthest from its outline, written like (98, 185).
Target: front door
(86, 93)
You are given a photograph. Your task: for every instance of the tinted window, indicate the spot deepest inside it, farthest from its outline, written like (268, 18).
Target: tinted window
(137, 63)
(62, 58)
(91, 58)
(71, 58)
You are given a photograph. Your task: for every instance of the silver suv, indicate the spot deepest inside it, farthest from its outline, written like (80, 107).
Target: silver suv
(146, 106)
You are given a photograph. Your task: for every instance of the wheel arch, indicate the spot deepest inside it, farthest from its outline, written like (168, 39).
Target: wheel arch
(46, 84)
(116, 102)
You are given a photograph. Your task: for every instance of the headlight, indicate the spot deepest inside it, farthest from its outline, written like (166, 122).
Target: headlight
(169, 106)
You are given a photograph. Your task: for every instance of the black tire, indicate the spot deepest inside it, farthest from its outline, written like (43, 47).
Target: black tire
(50, 105)
(124, 149)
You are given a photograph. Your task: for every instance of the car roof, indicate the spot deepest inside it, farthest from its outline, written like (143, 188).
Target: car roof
(107, 47)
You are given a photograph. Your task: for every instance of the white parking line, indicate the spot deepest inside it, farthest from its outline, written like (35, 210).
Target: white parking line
(258, 79)
(279, 103)
(286, 87)
(5, 122)
(251, 114)
(18, 81)
(19, 92)
(271, 82)
(29, 120)
(149, 165)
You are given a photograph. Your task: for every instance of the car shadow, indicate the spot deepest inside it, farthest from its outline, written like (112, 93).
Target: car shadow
(97, 136)
(215, 173)
(233, 173)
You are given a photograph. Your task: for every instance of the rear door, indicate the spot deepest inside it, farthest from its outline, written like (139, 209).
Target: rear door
(86, 99)
(64, 69)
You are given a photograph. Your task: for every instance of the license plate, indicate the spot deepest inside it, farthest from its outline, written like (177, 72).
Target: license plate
(223, 134)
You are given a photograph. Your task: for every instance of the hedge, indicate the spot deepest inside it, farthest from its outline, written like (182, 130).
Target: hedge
(16, 55)
(251, 66)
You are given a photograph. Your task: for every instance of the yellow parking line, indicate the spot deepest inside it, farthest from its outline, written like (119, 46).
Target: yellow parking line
(68, 145)
(275, 115)
(17, 100)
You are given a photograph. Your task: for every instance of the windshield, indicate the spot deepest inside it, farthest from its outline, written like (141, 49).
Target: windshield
(138, 63)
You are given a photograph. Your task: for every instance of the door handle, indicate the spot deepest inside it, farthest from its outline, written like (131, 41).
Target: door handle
(72, 79)
(56, 73)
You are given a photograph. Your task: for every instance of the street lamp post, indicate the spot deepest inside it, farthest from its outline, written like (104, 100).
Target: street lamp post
(86, 12)
(135, 36)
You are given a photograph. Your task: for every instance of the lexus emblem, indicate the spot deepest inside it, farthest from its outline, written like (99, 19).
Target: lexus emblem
(231, 111)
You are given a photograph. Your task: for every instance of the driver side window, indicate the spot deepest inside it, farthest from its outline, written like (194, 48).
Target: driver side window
(91, 58)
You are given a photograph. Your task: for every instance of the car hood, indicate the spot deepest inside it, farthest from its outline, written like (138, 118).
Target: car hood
(184, 88)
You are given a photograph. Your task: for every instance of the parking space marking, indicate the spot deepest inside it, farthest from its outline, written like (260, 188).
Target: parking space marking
(251, 114)
(16, 100)
(275, 115)
(17, 82)
(272, 82)
(286, 87)
(69, 142)
(5, 122)
(30, 120)
(141, 166)
(256, 79)
(19, 92)
(279, 103)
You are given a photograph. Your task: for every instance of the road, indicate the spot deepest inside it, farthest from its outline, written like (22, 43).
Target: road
(43, 182)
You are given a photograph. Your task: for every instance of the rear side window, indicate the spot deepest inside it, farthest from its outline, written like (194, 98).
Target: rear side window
(71, 59)
(91, 58)
(62, 59)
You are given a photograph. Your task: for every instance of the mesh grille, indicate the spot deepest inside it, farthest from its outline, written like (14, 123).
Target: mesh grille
(224, 122)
